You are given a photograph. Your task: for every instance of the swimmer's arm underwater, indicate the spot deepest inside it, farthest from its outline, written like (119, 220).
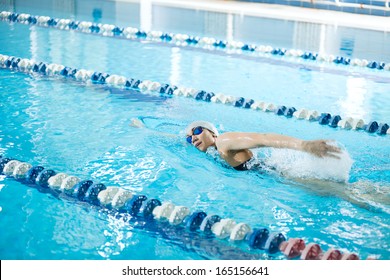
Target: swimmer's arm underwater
(136, 122)
(234, 141)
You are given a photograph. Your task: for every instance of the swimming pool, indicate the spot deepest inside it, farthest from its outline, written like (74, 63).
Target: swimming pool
(83, 130)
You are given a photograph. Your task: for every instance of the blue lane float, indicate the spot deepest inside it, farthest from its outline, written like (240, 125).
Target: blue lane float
(132, 33)
(149, 87)
(165, 217)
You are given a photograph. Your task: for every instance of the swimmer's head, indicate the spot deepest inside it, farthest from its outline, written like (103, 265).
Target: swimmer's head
(201, 134)
(204, 124)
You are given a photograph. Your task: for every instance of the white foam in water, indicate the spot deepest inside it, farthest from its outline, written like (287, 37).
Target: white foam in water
(303, 165)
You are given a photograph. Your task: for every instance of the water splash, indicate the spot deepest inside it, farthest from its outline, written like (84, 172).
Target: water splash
(298, 164)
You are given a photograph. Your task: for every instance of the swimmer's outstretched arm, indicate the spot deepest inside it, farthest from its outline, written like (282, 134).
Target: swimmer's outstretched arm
(139, 123)
(233, 141)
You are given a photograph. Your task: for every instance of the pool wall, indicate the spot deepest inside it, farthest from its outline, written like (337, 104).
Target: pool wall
(367, 7)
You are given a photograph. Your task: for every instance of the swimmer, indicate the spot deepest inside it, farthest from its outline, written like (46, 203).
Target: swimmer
(234, 147)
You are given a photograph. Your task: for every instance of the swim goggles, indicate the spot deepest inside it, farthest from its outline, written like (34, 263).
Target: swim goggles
(196, 131)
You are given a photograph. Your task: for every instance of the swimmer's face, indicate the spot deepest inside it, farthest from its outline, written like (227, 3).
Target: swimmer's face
(201, 138)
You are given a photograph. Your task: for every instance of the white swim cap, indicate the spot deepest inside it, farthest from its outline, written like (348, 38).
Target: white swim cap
(204, 124)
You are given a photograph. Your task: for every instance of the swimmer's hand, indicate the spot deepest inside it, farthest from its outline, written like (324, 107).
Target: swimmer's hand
(139, 123)
(136, 122)
(321, 148)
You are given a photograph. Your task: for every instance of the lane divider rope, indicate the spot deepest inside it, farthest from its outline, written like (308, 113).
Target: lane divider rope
(87, 76)
(208, 43)
(120, 200)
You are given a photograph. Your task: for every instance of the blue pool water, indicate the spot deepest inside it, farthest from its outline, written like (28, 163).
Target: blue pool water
(84, 130)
